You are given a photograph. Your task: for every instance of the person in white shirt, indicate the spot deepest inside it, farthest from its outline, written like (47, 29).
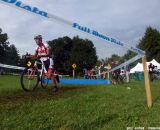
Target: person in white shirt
(43, 52)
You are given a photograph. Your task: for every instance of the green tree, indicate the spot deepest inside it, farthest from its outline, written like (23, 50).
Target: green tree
(128, 55)
(3, 46)
(83, 53)
(61, 49)
(150, 42)
(8, 53)
(67, 51)
(12, 55)
(114, 58)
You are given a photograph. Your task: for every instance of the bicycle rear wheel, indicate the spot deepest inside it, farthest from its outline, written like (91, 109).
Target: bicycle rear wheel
(29, 79)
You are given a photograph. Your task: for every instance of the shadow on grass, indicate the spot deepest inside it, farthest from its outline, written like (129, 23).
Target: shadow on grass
(97, 123)
(157, 100)
(42, 94)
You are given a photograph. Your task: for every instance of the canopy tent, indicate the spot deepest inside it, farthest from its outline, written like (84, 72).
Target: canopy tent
(139, 66)
(154, 62)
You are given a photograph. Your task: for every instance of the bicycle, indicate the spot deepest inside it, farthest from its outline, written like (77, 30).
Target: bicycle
(118, 78)
(31, 76)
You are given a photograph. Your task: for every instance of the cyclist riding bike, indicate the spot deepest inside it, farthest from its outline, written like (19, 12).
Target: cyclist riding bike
(43, 52)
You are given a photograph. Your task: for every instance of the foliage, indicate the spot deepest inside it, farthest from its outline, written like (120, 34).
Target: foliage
(3, 46)
(12, 55)
(67, 51)
(8, 53)
(150, 42)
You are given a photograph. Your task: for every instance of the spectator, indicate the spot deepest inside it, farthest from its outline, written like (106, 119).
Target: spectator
(155, 73)
(89, 74)
(85, 73)
(114, 78)
(99, 71)
(151, 71)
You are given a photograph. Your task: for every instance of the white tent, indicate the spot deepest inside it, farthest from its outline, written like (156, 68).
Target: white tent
(139, 66)
(154, 62)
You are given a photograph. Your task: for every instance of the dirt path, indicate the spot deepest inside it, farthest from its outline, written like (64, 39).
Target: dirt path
(42, 94)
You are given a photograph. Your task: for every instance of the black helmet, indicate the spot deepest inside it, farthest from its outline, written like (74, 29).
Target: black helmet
(38, 37)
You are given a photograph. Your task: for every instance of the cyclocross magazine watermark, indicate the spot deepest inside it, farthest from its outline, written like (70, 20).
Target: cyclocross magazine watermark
(143, 128)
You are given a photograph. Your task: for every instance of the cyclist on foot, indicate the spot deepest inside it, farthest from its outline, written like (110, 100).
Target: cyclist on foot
(43, 52)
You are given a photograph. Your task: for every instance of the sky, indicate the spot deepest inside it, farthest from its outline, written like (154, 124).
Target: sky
(125, 20)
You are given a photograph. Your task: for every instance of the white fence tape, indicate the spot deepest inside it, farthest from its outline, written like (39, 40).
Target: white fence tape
(22, 68)
(127, 62)
(36, 11)
(11, 67)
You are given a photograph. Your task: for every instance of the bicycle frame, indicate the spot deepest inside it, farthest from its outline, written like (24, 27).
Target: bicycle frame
(43, 69)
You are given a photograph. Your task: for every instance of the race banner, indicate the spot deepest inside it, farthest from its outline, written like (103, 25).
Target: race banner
(39, 12)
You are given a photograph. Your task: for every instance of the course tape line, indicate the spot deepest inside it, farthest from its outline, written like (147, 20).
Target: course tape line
(36, 11)
(11, 67)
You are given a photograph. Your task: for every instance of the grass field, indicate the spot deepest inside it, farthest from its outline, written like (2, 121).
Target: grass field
(103, 107)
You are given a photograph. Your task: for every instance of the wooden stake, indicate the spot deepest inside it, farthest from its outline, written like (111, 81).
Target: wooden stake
(147, 83)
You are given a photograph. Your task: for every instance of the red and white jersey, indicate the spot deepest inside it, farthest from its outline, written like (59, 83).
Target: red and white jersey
(42, 50)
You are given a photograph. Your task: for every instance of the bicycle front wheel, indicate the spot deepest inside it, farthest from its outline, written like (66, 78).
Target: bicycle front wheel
(29, 79)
